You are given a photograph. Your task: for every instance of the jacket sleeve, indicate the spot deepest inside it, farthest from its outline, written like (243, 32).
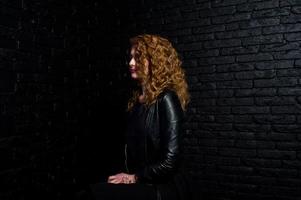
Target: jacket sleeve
(171, 117)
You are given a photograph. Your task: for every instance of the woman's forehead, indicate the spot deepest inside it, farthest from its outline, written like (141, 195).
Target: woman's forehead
(133, 50)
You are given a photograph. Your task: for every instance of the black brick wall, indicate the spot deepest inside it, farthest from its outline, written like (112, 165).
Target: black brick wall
(62, 68)
(242, 59)
(60, 72)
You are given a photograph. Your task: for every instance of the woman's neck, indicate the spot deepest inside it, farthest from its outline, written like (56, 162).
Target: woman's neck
(142, 96)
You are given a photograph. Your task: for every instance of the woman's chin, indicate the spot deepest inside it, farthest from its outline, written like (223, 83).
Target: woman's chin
(134, 76)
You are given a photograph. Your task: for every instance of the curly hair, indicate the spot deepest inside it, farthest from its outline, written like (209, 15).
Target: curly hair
(164, 69)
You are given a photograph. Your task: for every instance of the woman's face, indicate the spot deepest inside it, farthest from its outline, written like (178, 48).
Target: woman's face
(133, 65)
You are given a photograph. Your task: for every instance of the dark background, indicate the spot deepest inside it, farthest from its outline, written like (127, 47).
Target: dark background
(64, 86)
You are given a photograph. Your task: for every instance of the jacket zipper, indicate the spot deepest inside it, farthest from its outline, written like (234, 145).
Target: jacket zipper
(126, 158)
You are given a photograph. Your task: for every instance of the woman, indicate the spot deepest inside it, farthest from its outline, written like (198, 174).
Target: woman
(154, 134)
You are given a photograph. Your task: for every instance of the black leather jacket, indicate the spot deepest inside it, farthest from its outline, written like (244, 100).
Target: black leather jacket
(162, 125)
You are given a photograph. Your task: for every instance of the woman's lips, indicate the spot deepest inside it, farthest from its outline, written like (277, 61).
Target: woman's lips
(133, 70)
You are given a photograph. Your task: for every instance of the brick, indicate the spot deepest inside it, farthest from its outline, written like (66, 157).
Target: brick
(291, 182)
(281, 190)
(292, 165)
(179, 32)
(275, 101)
(212, 110)
(195, 38)
(237, 135)
(284, 28)
(228, 10)
(252, 127)
(256, 92)
(189, 64)
(12, 3)
(208, 94)
(232, 26)
(289, 91)
(255, 74)
(238, 84)
(238, 33)
(298, 62)
(292, 18)
(216, 60)
(274, 12)
(289, 3)
(221, 60)
(279, 64)
(225, 93)
(287, 128)
(237, 170)
(246, 144)
(219, 3)
(292, 36)
(290, 146)
(243, 119)
(208, 29)
(289, 72)
(280, 82)
(231, 18)
(276, 119)
(280, 47)
(258, 180)
(223, 118)
(207, 142)
(292, 109)
(269, 39)
(206, 102)
(235, 67)
(257, 6)
(281, 136)
(237, 152)
(219, 77)
(250, 110)
(191, 15)
(222, 43)
(254, 23)
(235, 101)
(239, 50)
(228, 161)
(183, 24)
(189, 47)
(293, 54)
(260, 162)
(277, 154)
(254, 57)
(267, 145)
(296, 9)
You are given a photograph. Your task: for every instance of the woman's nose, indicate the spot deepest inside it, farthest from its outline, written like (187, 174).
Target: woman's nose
(132, 63)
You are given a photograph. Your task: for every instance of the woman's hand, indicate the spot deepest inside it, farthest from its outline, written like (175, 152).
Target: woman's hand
(122, 178)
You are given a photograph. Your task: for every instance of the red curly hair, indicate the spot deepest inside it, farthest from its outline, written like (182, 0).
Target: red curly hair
(164, 69)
